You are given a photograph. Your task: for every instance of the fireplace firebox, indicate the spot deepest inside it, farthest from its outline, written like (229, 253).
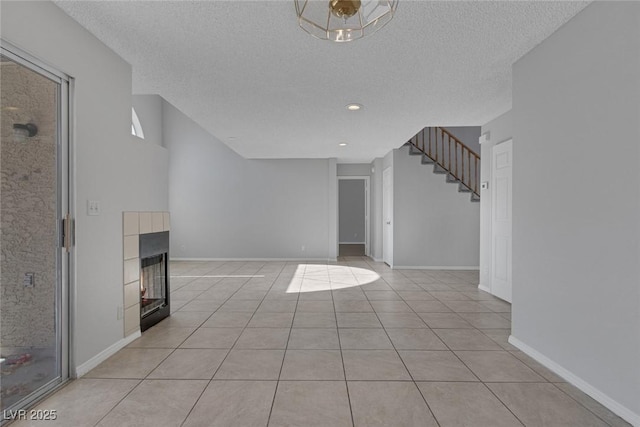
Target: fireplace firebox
(154, 278)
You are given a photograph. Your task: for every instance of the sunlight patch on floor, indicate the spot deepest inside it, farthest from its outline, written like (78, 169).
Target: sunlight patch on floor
(318, 278)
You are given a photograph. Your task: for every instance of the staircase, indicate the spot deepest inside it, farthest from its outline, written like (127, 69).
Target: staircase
(450, 157)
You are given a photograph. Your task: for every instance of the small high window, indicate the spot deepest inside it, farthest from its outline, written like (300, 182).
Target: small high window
(136, 128)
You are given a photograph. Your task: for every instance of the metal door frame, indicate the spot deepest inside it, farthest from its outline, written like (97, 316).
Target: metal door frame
(65, 258)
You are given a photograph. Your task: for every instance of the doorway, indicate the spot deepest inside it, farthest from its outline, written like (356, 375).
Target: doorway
(501, 222)
(353, 216)
(35, 230)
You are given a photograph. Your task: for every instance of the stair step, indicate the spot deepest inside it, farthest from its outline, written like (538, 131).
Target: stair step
(414, 151)
(463, 188)
(426, 160)
(439, 169)
(450, 178)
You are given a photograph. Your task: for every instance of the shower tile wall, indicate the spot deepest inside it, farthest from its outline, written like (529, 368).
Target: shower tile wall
(27, 210)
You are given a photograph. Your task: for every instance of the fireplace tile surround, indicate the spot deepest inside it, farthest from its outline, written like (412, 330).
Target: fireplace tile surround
(133, 225)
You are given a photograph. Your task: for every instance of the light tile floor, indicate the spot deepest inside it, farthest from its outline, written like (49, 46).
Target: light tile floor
(339, 344)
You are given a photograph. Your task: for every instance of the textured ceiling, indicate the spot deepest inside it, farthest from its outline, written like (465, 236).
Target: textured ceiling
(245, 72)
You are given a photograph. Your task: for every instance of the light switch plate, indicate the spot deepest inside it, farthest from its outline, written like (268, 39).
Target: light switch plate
(93, 207)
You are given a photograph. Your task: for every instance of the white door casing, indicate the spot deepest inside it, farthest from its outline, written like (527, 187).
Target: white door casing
(501, 219)
(387, 216)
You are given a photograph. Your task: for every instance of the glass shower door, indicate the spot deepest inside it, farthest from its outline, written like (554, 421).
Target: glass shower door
(32, 205)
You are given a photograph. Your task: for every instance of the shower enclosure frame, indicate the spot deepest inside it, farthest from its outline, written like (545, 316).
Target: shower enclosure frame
(65, 225)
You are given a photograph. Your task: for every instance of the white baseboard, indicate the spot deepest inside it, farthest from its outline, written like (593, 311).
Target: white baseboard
(105, 354)
(483, 288)
(434, 267)
(619, 409)
(377, 259)
(256, 259)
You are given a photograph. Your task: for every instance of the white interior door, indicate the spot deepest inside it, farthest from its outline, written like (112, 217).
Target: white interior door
(501, 196)
(387, 217)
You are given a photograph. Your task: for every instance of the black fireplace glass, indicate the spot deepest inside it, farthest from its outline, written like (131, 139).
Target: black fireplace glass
(154, 278)
(153, 284)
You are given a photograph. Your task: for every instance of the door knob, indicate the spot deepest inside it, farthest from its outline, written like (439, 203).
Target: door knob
(388, 222)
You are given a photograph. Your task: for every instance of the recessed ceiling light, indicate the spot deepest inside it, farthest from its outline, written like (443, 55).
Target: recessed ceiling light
(343, 144)
(354, 107)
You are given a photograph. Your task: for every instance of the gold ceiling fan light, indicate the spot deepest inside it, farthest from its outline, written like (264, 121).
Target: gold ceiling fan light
(344, 20)
(344, 8)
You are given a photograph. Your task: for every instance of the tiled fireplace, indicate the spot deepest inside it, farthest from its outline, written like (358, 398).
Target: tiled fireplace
(146, 274)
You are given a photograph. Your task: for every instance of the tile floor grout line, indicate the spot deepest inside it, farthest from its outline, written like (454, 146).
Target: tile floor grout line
(508, 351)
(140, 381)
(195, 403)
(399, 281)
(580, 403)
(215, 311)
(344, 369)
(470, 370)
(228, 351)
(466, 366)
(404, 364)
(501, 349)
(284, 355)
(328, 380)
(447, 346)
(503, 403)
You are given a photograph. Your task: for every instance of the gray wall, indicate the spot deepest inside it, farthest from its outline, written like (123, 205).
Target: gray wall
(496, 131)
(109, 166)
(354, 169)
(468, 135)
(224, 206)
(434, 224)
(351, 210)
(576, 215)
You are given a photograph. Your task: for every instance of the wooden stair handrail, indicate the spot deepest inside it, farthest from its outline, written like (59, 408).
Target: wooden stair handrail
(435, 150)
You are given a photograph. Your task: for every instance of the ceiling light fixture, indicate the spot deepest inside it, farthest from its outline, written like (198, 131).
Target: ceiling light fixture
(343, 144)
(354, 107)
(344, 20)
